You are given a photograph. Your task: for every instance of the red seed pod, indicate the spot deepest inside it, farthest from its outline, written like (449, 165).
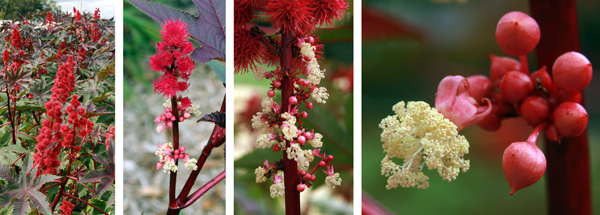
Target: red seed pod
(515, 86)
(300, 187)
(570, 119)
(493, 120)
(523, 164)
(271, 93)
(564, 96)
(517, 33)
(276, 148)
(502, 65)
(552, 133)
(572, 72)
(534, 110)
(479, 87)
(542, 82)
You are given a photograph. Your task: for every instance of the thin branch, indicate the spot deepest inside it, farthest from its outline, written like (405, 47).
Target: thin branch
(200, 192)
(85, 202)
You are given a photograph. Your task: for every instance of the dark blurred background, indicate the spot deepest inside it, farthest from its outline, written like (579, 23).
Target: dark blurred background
(425, 42)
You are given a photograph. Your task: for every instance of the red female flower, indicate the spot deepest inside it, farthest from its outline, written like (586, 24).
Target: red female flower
(247, 50)
(172, 59)
(16, 38)
(244, 13)
(292, 16)
(327, 10)
(97, 14)
(77, 15)
(67, 208)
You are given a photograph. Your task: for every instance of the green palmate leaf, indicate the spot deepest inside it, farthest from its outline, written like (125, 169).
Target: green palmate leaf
(8, 154)
(208, 28)
(106, 177)
(23, 188)
(218, 68)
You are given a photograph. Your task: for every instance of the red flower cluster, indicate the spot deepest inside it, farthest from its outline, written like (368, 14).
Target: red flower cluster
(49, 19)
(67, 208)
(95, 35)
(16, 38)
(172, 59)
(81, 126)
(51, 132)
(77, 15)
(97, 14)
(295, 17)
(109, 135)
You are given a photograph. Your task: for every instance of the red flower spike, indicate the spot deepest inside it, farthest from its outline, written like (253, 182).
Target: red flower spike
(16, 38)
(453, 101)
(325, 11)
(66, 208)
(291, 16)
(572, 72)
(517, 33)
(523, 162)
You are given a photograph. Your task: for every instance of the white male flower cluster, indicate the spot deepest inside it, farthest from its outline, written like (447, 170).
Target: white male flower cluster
(302, 157)
(260, 174)
(320, 94)
(290, 131)
(257, 122)
(168, 163)
(333, 180)
(315, 74)
(277, 188)
(315, 142)
(420, 135)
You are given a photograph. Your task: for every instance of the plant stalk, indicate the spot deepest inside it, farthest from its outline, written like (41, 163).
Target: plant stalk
(173, 175)
(181, 200)
(568, 169)
(290, 168)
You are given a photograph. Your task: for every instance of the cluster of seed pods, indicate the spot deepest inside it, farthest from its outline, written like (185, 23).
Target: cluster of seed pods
(551, 103)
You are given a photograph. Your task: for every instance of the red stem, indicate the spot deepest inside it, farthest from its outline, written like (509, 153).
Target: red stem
(200, 192)
(173, 175)
(290, 168)
(370, 206)
(535, 133)
(568, 169)
(64, 183)
(85, 202)
(181, 200)
(11, 117)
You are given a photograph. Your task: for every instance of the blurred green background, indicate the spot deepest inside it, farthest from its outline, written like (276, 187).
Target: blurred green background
(334, 120)
(429, 41)
(146, 189)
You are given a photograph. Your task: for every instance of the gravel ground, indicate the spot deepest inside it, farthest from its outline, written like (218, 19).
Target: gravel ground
(146, 189)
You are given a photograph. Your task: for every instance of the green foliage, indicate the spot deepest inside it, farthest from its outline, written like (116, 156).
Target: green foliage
(23, 188)
(23, 95)
(12, 9)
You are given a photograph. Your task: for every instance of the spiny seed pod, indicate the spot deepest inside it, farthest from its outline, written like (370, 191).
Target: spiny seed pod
(517, 33)
(572, 72)
(523, 164)
(570, 119)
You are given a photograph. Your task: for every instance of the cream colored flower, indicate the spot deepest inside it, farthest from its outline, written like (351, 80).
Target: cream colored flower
(420, 135)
